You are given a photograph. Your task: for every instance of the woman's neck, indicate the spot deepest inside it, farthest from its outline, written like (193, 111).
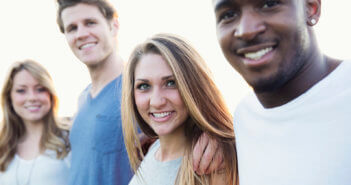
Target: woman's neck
(172, 146)
(29, 144)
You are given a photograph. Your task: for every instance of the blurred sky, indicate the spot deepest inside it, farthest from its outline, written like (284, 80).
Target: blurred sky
(29, 30)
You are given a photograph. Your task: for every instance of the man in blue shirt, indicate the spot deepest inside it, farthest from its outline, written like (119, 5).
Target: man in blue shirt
(98, 152)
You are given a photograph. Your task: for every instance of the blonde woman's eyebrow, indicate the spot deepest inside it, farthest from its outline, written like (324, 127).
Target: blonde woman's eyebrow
(140, 79)
(167, 77)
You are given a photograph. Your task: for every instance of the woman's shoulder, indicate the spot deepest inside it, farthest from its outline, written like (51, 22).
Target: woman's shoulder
(154, 146)
(149, 158)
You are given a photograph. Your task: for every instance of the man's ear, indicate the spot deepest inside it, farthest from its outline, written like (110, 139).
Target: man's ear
(313, 11)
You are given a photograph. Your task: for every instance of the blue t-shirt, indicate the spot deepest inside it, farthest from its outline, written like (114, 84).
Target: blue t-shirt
(98, 152)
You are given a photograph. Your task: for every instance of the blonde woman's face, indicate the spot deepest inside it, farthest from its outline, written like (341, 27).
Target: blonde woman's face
(30, 100)
(157, 97)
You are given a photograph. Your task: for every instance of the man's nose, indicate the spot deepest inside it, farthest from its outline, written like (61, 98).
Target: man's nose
(82, 32)
(250, 25)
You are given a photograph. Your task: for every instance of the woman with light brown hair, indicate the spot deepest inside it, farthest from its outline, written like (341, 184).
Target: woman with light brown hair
(169, 93)
(33, 146)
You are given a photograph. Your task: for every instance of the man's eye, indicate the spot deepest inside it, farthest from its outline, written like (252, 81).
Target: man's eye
(89, 23)
(270, 3)
(227, 15)
(71, 28)
(143, 86)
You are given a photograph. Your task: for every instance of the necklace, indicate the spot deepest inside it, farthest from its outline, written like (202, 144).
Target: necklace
(29, 174)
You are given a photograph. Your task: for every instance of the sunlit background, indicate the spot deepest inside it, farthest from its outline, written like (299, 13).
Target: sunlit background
(29, 30)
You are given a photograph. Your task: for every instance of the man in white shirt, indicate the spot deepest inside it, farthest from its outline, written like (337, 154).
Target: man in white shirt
(293, 128)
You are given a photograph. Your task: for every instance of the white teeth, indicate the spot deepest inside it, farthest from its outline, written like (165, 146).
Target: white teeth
(32, 107)
(258, 54)
(161, 115)
(87, 45)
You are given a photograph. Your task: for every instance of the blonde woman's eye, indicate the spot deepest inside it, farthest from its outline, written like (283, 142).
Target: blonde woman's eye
(171, 83)
(41, 89)
(143, 86)
(21, 91)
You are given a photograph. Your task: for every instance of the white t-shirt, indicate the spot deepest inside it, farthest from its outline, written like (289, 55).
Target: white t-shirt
(306, 141)
(45, 169)
(154, 172)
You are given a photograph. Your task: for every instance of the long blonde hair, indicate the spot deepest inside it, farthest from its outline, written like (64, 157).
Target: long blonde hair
(207, 110)
(53, 138)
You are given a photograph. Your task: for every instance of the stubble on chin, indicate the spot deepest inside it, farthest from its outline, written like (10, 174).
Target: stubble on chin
(287, 70)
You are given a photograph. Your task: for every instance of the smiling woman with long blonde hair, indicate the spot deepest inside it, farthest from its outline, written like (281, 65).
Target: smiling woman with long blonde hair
(33, 146)
(169, 93)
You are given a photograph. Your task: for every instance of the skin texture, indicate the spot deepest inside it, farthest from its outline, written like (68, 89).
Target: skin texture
(258, 26)
(159, 103)
(30, 100)
(156, 92)
(92, 38)
(207, 156)
(291, 63)
(88, 33)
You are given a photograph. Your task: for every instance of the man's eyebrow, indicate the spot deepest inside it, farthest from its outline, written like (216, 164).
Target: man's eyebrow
(221, 4)
(90, 19)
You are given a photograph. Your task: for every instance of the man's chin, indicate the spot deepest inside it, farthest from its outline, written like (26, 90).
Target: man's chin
(268, 85)
(90, 62)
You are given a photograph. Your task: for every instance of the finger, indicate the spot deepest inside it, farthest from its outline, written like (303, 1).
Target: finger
(207, 156)
(222, 164)
(217, 162)
(199, 149)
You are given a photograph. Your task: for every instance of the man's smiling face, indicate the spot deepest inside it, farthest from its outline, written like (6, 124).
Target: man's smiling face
(266, 41)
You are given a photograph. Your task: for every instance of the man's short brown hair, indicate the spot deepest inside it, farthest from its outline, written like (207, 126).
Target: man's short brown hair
(104, 6)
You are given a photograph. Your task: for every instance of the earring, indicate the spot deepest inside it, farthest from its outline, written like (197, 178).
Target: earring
(313, 21)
